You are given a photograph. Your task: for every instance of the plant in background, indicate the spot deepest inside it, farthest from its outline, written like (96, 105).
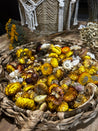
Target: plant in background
(15, 33)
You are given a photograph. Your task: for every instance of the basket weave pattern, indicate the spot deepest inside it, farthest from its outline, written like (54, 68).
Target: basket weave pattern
(47, 14)
(34, 120)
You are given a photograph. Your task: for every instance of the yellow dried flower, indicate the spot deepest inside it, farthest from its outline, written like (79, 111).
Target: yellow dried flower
(32, 58)
(10, 68)
(69, 58)
(17, 95)
(56, 49)
(21, 60)
(40, 88)
(42, 80)
(51, 105)
(25, 103)
(59, 74)
(53, 55)
(81, 69)
(26, 50)
(73, 76)
(63, 107)
(37, 68)
(54, 62)
(82, 100)
(92, 71)
(28, 87)
(24, 83)
(86, 57)
(32, 94)
(52, 86)
(62, 56)
(84, 78)
(29, 54)
(94, 79)
(12, 88)
(87, 63)
(25, 95)
(50, 79)
(68, 54)
(19, 52)
(46, 69)
(64, 87)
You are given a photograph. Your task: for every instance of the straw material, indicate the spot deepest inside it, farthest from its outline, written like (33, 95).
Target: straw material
(38, 120)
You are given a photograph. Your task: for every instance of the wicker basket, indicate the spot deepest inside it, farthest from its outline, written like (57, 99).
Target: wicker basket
(51, 16)
(38, 120)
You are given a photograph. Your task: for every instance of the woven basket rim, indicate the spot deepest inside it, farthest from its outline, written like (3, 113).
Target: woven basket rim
(59, 120)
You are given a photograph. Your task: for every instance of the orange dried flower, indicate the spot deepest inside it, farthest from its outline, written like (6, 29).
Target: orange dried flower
(70, 95)
(65, 49)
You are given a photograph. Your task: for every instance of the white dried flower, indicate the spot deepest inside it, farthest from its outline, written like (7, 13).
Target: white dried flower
(14, 73)
(57, 45)
(91, 55)
(75, 62)
(45, 46)
(20, 80)
(75, 58)
(16, 80)
(67, 65)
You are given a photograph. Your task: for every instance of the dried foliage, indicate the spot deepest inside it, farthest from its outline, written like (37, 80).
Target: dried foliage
(89, 34)
(15, 33)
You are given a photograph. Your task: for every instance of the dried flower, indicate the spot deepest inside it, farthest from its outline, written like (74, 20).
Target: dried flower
(70, 95)
(53, 55)
(46, 69)
(94, 79)
(78, 86)
(67, 65)
(81, 69)
(56, 49)
(68, 54)
(51, 79)
(84, 78)
(65, 50)
(73, 76)
(63, 107)
(25, 103)
(12, 88)
(54, 62)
